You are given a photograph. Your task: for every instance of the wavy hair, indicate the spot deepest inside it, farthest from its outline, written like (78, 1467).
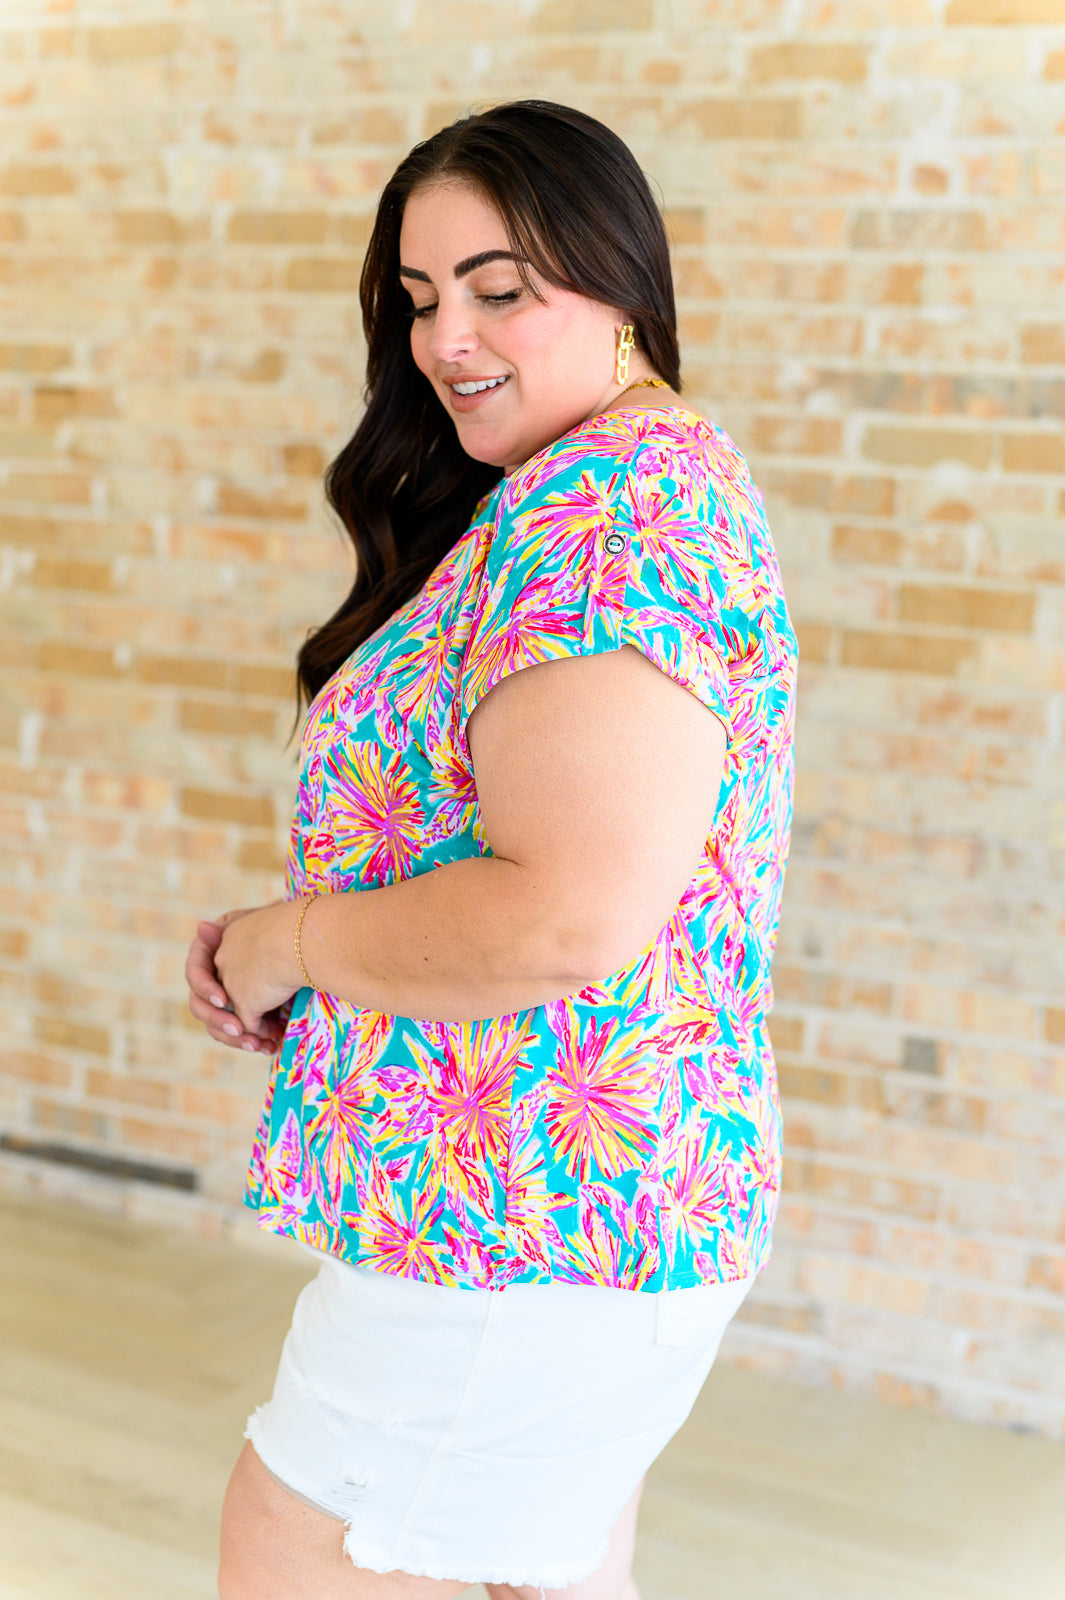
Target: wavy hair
(575, 205)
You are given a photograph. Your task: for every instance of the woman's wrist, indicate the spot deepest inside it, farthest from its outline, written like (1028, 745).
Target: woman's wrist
(287, 966)
(305, 902)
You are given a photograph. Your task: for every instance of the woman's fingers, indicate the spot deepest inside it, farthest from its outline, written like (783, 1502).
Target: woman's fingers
(208, 1001)
(226, 1029)
(200, 973)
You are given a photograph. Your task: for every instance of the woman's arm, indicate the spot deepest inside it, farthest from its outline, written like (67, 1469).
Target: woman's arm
(597, 779)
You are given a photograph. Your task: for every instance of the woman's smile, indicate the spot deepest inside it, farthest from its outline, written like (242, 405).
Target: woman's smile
(469, 394)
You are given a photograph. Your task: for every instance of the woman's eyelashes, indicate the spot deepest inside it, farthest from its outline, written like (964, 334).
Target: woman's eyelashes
(488, 299)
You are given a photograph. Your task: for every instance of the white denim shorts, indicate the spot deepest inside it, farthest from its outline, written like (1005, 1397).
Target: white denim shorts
(487, 1436)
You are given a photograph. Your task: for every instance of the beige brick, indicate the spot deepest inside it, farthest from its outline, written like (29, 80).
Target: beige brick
(212, 541)
(959, 607)
(996, 173)
(132, 41)
(166, 1140)
(862, 14)
(28, 1066)
(65, 1032)
(14, 944)
(1002, 13)
(127, 1089)
(929, 228)
(1034, 452)
(1044, 342)
(852, 1185)
(260, 855)
(57, 487)
(227, 718)
(841, 63)
(930, 179)
(149, 227)
(128, 791)
(872, 496)
(219, 1107)
(57, 404)
(253, 811)
(79, 660)
(744, 118)
(903, 284)
(782, 226)
(270, 683)
(814, 1083)
(266, 367)
(1046, 1272)
(686, 224)
(351, 232)
(808, 436)
(591, 16)
(787, 1032)
(39, 178)
(303, 460)
(1054, 66)
(815, 641)
(924, 447)
(278, 227)
(323, 274)
(91, 575)
(235, 501)
(34, 358)
(906, 652)
(69, 1121)
(874, 546)
(29, 531)
(185, 672)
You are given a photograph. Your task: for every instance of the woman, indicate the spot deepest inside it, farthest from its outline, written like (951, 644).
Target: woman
(524, 1105)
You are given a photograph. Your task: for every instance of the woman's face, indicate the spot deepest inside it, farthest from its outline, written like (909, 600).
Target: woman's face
(550, 363)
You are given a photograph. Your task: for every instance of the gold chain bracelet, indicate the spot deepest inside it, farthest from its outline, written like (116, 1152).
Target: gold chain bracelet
(299, 925)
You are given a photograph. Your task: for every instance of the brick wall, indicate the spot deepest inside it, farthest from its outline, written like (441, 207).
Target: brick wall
(867, 199)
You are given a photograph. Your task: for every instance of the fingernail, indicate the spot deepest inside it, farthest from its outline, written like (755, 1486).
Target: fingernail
(216, 1000)
(230, 1027)
(247, 1045)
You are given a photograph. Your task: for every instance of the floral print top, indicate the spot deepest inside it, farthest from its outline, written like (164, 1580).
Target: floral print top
(628, 1135)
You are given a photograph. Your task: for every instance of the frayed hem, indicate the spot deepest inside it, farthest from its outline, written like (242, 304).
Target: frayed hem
(375, 1560)
(549, 1578)
(253, 1436)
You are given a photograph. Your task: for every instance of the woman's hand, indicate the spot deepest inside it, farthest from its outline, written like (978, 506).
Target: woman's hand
(226, 1004)
(256, 962)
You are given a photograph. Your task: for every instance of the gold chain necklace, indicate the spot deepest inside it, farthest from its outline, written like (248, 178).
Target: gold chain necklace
(646, 383)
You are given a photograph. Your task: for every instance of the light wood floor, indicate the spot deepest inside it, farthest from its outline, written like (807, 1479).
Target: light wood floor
(130, 1357)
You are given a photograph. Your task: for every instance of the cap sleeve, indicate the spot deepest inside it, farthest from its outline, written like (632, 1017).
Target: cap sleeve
(596, 551)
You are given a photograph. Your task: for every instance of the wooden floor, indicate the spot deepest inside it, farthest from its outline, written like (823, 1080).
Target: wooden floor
(130, 1357)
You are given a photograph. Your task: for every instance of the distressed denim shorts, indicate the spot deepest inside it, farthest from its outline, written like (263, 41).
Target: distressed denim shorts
(486, 1436)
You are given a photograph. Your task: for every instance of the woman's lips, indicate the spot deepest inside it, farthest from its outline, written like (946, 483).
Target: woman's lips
(471, 402)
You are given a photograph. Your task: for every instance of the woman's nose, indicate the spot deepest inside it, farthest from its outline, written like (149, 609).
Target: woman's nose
(453, 335)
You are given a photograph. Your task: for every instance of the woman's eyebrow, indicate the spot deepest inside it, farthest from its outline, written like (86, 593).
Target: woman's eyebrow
(466, 265)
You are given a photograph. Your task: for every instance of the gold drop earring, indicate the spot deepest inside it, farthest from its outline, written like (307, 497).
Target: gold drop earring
(625, 344)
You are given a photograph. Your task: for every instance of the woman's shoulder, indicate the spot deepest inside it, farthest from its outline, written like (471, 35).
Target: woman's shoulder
(607, 445)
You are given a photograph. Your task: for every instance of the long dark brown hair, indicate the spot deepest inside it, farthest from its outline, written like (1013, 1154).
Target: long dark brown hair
(575, 205)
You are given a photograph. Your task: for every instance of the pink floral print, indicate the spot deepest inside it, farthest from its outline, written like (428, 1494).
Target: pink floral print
(628, 1135)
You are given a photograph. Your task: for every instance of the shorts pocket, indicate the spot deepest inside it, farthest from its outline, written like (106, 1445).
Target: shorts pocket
(698, 1317)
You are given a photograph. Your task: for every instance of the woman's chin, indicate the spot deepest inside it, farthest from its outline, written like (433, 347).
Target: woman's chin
(489, 446)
